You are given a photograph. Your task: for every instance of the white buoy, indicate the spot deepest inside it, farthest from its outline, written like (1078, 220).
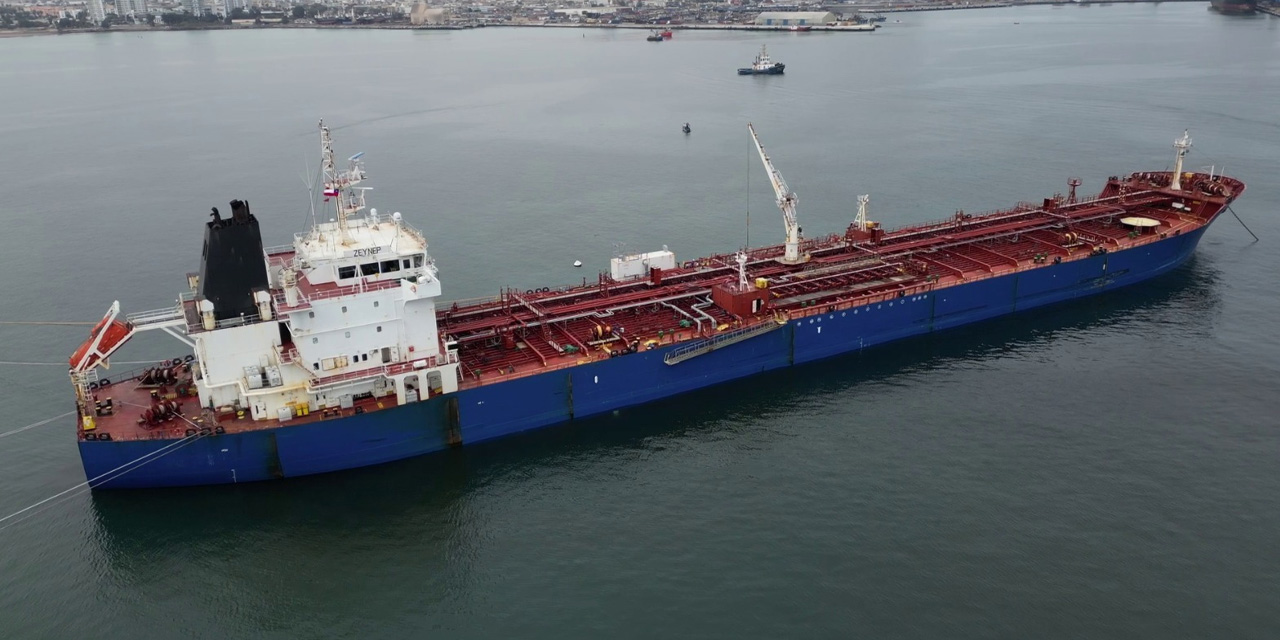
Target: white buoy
(577, 263)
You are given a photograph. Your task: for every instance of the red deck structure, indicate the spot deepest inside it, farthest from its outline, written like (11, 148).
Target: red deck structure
(519, 333)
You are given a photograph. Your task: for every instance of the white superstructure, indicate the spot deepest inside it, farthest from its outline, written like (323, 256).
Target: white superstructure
(355, 300)
(349, 312)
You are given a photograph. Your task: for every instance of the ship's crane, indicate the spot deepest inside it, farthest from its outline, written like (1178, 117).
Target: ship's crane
(1182, 146)
(786, 201)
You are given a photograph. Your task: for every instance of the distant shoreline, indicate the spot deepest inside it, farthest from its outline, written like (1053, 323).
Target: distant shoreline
(861, 28)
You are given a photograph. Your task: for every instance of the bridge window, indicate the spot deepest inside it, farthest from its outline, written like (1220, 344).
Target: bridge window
(406, 263)
(370, 269)
(390, 265)
(346, 272)
(417, 260)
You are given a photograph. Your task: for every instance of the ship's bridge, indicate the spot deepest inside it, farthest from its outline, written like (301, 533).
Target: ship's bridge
(367, 250)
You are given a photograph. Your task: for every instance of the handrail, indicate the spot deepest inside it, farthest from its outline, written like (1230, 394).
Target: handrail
(678, 355)
(155, 316)
(198, 326)
(390, 369)
(279, 249)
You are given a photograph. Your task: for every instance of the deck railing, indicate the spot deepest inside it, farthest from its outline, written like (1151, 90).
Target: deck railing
(146, 319)
(676, 356)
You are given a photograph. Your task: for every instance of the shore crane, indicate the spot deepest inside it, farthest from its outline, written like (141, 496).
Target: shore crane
(786, 201)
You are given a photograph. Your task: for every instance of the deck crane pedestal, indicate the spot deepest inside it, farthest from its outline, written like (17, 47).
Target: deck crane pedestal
(787, 202)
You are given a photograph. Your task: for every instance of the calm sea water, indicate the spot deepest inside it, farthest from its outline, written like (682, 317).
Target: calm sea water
(1102, 469)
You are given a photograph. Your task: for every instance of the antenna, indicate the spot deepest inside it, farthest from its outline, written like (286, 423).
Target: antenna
(339, 186)
(310, 183)
(332, 184)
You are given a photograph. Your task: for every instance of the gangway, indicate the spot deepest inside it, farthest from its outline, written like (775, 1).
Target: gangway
(676, 356)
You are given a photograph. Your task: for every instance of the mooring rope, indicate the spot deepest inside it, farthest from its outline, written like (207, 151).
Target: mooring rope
(64, 364)
(132, 465)
(50, 322)
(1246, 227)
(38, 424)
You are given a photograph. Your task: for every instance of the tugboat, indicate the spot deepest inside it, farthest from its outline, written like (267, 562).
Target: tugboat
(762, 65)
(686, 129)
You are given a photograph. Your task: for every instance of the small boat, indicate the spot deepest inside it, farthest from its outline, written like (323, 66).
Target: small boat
(666, 34)
(800, 28)
(762, 65)
(655, 37)
(686, 128)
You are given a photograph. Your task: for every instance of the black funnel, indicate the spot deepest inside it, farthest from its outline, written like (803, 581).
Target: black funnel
(233, 265)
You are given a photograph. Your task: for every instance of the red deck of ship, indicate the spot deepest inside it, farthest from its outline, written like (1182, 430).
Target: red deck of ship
(130, 398)
(521, 333)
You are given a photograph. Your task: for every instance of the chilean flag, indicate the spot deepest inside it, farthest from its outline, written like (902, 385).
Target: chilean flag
(330, 192)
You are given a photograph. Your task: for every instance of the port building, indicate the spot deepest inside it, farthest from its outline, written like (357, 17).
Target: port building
(794, 18)
(422, 13)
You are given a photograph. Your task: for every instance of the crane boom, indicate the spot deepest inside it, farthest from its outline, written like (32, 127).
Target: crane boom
(786, 202)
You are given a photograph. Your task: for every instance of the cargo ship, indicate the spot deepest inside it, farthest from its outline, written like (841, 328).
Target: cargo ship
(334, 351)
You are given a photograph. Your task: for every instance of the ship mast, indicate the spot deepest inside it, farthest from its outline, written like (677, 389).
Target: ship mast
(861, 220)
(786, 202)
(341, 185)
(741, 259)
(1182, 145)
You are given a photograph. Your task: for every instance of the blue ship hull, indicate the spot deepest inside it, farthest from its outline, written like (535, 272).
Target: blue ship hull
(496, 410)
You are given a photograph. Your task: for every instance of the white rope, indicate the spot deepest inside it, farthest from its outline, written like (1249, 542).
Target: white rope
(32, 426)
(55, 323)
(90, 483)
(64, 364)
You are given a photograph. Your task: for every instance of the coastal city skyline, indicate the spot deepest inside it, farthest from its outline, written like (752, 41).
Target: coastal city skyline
(18, 16)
